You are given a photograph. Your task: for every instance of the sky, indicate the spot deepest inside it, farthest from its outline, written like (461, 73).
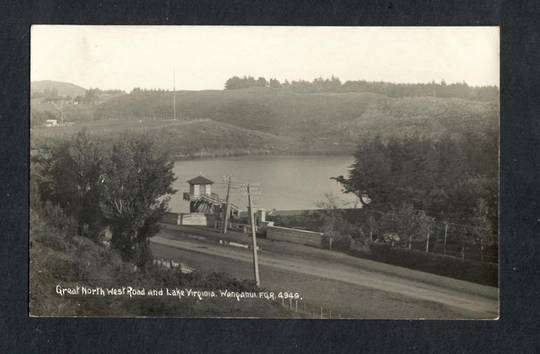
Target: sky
(204, 57)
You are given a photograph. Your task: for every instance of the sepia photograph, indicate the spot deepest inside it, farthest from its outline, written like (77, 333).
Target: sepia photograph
(268, 172)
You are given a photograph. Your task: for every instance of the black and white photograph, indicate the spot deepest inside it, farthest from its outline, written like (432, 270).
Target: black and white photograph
(267, 172)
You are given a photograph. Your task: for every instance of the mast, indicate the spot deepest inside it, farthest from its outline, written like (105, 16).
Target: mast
(174, 94)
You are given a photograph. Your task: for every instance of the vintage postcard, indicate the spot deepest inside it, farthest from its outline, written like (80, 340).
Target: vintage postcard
(264, 172)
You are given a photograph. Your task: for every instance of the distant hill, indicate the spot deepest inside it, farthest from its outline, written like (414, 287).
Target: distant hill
(268, 120)
(269, 110)
(62, 88)
(339, 116)
(52, 99)
(193, 138)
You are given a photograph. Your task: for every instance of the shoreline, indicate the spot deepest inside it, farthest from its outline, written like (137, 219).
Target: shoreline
(209, 156)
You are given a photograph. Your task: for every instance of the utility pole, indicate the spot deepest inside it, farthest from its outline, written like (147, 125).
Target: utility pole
(174, 94)
(253, 238)
(227, 208)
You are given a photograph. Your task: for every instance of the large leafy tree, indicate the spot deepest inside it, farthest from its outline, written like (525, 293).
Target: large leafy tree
(70, 174)
(445, 177)
(409, 223)
(136, 187)
(369, 174)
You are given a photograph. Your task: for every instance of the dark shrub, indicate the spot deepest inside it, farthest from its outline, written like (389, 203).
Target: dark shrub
(469, 270)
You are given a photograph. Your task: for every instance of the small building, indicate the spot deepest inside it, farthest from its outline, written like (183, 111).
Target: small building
(49, 123)
(200, 186)
(200, 196)
(204, 206)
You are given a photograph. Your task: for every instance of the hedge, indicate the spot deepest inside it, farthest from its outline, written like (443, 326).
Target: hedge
(468, 270)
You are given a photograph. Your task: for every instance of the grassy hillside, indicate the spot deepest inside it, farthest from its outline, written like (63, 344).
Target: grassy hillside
(334, 118)
(278, 120)
(61, 88)
(270, 110)
(426, 116)
(193, 138)
(58, 257)
(57, 100)
(43, 109)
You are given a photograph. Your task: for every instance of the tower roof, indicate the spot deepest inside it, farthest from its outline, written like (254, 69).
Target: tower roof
(200, 180)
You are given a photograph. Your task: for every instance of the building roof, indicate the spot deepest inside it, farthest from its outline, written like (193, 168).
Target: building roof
(200, 180)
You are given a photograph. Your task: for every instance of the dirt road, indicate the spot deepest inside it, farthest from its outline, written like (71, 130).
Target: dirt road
(345, 285)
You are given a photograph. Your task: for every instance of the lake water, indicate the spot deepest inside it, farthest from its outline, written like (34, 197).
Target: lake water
(283, 182)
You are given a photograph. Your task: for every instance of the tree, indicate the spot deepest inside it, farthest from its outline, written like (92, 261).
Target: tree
(233, 83)
(482, 232)
(71, 173)
(136, 188)
(444, 177)
(333, 84)
(369, 174)
(334, 224)
(274, 83)
(331, 213)
(92, 95)
(261, 82)
(409, 223)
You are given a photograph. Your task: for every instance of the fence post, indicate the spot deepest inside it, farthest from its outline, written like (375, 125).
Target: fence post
(427, 242)
(410, 241)
(321, 313)
(445, 235)
(371, 228)
(481, 250)
(296, 306)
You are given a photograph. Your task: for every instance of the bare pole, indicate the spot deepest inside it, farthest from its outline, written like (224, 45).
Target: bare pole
(174, 94)
(427, 240)
(481, 249)
(253, 238)
(445, 236)
(227, 208)
(371, 229)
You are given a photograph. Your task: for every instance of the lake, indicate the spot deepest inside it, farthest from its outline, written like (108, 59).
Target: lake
(283, 182)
